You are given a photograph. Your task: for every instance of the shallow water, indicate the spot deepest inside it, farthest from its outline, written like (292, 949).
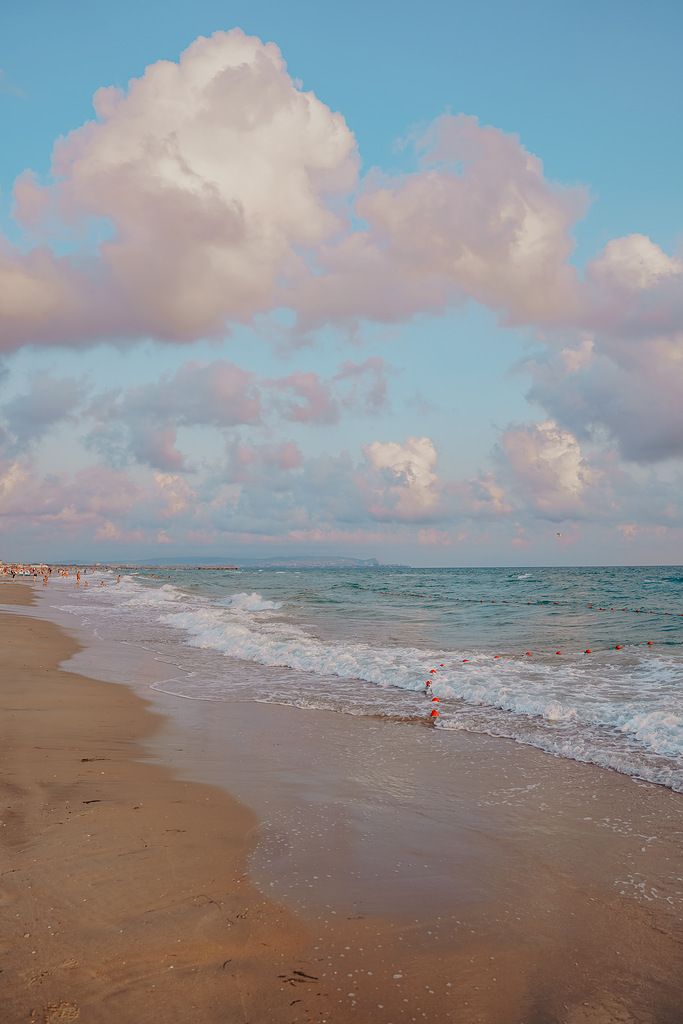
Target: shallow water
(365, 641)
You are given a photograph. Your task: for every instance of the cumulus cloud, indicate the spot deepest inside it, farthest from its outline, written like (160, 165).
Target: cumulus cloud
(632, 397)
(207, 176)
(618, 377)
(478, 220)
(402, 480)
(549, 469)
(482, 497)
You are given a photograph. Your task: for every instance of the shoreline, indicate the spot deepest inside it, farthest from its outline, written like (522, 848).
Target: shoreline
(114, 873)
(521, 922)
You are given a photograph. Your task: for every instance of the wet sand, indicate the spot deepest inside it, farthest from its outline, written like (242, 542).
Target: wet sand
(520, 888)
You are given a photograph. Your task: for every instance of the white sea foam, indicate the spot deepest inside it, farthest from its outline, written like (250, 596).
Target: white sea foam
(251, 603)
(622, 713)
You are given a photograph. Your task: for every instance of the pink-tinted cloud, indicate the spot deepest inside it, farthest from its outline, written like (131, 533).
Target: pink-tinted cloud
(618, 377)
(402, 480)
(308, 398)
(63, 504)
(549, 469)
(207, 174)
(244, 458)
(478, 220)
(305, 398)
(482, 497)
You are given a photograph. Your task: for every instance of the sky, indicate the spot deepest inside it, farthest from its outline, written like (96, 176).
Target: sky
(371, 280)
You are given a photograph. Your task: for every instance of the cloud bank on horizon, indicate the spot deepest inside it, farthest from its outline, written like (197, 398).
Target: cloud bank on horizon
(215, 194)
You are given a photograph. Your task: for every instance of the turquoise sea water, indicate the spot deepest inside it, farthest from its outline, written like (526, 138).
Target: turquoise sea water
(505, 649)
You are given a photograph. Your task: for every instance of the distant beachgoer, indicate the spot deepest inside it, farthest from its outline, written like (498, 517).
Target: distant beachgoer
(118, 580)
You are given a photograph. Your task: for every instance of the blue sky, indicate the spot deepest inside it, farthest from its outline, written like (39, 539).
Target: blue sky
(487, 367)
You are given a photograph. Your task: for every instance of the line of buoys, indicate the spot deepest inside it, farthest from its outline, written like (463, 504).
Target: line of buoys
(440, 597)
(465, 661)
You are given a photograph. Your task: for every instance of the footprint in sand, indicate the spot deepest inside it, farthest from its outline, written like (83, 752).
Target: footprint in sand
(60, 1014)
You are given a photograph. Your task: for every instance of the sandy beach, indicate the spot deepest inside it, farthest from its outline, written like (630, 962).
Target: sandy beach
(165, 859)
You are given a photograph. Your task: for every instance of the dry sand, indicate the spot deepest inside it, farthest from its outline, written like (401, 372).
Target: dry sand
(124, 897)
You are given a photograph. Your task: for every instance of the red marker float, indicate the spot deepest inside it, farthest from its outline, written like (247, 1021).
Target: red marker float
(434, 714)
(588, 650)
(618, 647)
(558, 652)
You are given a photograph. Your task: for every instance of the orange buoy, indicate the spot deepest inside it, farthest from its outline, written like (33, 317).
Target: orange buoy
(558, 652)
(496, 656)
(588, 650)
(432, 670)
(649, 643)
(464, 660)
(618, 647)
(435, 699)
(441, 665)
(434, 714)
(528, 654)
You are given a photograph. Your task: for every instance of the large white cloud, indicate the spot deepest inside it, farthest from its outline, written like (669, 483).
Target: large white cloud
(208, 173)
(403, 482)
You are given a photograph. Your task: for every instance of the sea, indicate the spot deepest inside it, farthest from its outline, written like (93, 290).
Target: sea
(584, 663)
